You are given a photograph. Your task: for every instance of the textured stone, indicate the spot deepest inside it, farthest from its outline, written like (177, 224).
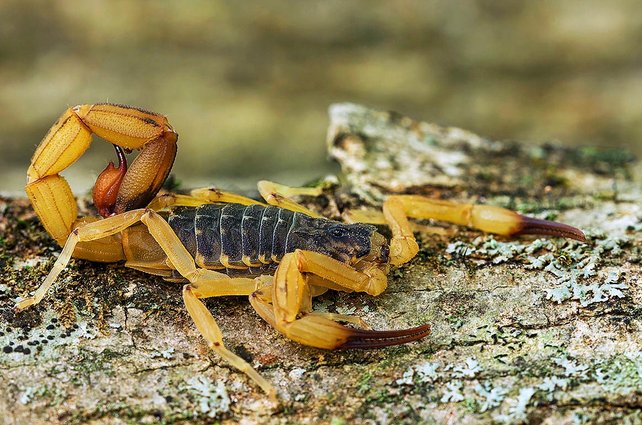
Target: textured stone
(526, 330)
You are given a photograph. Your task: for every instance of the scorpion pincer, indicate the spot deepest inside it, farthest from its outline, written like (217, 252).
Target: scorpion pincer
(278, 253)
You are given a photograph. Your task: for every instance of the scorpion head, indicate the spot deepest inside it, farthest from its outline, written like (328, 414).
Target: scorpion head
(354, 244)
(379, 254)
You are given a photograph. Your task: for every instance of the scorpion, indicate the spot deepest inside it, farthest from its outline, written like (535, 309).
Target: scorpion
(278, 253)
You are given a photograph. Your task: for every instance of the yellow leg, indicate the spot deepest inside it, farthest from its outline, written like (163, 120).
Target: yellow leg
(377, 217)
(364, 216)
(208, 327)
(279, 196)
(88, 232)
(487, 218)
(212, 195)
(274, 194)
(204, 283)
(285, 306)
(403, 246)
(371, 280)
(107, 249)
(198, 197)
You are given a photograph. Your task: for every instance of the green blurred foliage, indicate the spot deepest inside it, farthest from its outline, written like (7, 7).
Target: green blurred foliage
(247, 84)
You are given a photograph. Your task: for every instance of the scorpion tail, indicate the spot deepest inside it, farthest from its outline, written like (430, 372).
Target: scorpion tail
(365, 339)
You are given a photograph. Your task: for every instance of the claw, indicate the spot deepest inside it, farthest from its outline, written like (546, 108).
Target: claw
(360, 338)
(486, 218)
(316, 330)
(147, 173)
(536, 226)
(509, 223)
(118, 189)
(108, 184)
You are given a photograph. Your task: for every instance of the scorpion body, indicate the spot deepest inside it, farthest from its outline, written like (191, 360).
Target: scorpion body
(251, 240)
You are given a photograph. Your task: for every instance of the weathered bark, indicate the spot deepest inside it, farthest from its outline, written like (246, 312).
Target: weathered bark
(526, 330)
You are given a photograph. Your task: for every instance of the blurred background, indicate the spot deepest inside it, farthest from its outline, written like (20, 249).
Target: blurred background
(247, 85)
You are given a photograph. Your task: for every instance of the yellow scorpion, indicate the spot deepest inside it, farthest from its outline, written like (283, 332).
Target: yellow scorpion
(278, 253)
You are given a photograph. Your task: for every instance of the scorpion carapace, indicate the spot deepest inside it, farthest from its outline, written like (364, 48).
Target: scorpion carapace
(281, 255)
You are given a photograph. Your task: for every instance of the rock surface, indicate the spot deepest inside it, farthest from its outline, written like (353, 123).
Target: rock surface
(531, 330)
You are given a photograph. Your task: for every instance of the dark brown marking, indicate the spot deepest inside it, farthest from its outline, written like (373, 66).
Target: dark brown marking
(150, 121)
(120, 105)
(536, 226)
(367, 339)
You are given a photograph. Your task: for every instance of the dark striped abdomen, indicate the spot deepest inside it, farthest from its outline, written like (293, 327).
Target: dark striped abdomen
(246, 239)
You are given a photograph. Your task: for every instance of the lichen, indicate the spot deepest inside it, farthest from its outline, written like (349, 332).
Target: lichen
(468, 370)
(491, 396)
(212, 399)
(427, 371)
(453, 392)
(165, 354)
(580, 270)
(517, 407)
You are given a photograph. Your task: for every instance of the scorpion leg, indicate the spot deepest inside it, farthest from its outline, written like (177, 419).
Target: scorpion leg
(285, 306)
(364, 216)
(372, 216)
(403, 247)
(207, 326)
(310, 291)
(86, 233)
(211, 195)
(198, 197)
(273, 193)
(204, 283)
(279, 196)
